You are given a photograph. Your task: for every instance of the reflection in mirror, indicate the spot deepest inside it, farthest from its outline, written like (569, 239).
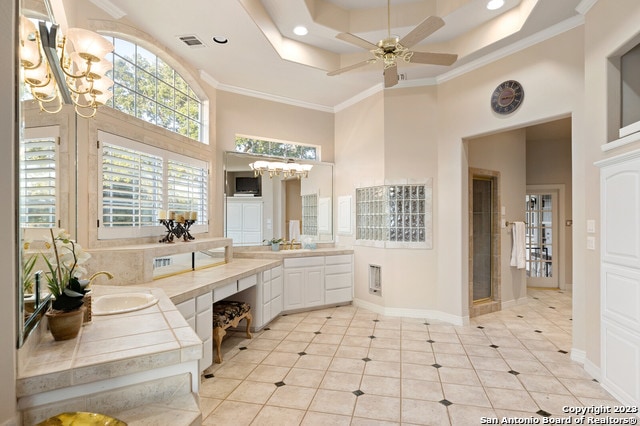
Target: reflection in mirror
(260, 207)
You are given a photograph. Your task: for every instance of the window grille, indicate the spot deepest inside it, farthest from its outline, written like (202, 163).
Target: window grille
(274, 148)
(148, 88)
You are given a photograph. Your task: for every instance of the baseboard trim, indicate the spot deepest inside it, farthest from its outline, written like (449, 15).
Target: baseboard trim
(412, 313)
(514, 302)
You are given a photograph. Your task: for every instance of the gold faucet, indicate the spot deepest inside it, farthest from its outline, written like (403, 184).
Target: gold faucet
(94, 276)
(291, 244)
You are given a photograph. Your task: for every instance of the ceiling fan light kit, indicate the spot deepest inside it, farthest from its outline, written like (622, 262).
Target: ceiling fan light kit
(391, 49)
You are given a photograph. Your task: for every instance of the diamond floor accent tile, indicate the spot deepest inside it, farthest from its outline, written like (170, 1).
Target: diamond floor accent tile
(319, 386)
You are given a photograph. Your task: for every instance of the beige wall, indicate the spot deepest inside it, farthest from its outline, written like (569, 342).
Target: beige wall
(243, 115)
(505, 152)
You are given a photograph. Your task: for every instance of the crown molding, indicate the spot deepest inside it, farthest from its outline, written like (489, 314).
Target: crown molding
(110, 8)
(584, 6)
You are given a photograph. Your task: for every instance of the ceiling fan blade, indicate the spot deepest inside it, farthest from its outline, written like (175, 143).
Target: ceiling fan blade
(351, 67)
(433, 58)
(422, 31)
(353, 39)
(391, 76)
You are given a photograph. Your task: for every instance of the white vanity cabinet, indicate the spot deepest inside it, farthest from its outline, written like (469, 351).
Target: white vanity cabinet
(338, 278)
(198, 313)
(244, 221)
(272, 298)
(303, 282)
(317, 280)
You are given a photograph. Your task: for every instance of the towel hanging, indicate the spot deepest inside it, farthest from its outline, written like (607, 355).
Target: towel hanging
(518, 248)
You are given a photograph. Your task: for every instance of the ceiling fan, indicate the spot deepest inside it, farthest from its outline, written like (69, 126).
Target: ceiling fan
(389, 50)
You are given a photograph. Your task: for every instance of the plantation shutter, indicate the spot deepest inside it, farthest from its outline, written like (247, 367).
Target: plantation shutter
(187, 187)
(131, 187)
(38, 183)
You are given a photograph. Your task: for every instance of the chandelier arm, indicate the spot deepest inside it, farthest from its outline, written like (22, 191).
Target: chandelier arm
(93, 112)
(65, 67)
(40, 84)
(42, 104)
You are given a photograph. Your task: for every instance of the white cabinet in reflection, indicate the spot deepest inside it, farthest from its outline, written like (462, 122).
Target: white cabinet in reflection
(244, 221)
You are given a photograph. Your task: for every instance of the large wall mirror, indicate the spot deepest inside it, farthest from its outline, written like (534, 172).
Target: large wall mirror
(46, 187)
(260, 207)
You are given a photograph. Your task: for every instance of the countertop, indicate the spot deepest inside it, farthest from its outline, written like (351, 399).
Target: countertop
(110, 346)
(267, 253)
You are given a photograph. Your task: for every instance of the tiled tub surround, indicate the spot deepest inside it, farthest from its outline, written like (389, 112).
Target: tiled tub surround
(124, 365)
(350, 366)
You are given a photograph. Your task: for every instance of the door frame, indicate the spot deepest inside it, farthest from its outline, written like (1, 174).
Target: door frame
(561, 266)
(495, 302)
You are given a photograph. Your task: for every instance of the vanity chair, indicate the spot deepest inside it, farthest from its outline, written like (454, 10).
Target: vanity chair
(227, 313)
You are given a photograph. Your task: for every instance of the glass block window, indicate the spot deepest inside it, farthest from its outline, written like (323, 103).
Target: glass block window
(273, 148)
(38, 182)
(395, 215)
(310, 214)
(138, 180)
(148, 88)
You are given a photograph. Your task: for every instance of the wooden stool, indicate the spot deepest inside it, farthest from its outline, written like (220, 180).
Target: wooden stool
(227, 313)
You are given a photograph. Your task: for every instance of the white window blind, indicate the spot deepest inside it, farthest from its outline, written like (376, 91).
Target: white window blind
(131, 187)
(138, 180)
(38, 178)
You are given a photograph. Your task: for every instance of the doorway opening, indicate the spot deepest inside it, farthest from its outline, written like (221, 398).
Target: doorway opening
(542, 237)
(484, 227)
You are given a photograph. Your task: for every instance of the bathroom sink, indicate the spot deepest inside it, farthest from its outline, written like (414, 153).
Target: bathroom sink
(110, 304)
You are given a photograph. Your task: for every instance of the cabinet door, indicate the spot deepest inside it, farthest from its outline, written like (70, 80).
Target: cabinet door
(234, 217)
(314, 286)
(294, 280)
(252, 217)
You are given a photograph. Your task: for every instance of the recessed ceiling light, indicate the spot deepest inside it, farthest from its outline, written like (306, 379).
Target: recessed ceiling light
(221, 40)
(495, 4)
(300, 30)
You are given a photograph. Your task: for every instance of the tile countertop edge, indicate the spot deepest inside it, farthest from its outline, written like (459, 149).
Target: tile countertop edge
(187, 285)
(285, 254)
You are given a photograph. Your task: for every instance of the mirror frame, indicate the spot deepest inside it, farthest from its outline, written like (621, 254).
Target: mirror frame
(252, 156)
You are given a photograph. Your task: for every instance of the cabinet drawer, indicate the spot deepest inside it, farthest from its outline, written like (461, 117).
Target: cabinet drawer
(344, 268)
(276, 272)
(338, 259)
(301, 262)
(266, 276)
(187, 308)
(204, 325)
(337, 281)
(225, 291)
(338, 296)
(204, 302)
(266, 291)
(276, 287)
(247, 282)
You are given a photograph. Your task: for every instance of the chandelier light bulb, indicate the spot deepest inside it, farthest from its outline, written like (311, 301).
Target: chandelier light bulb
(495, 4)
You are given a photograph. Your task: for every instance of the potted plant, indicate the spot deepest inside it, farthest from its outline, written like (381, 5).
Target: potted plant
(275, 243)
(64, 261)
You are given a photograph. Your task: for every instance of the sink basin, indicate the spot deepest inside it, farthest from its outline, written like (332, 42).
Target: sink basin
(120, 303)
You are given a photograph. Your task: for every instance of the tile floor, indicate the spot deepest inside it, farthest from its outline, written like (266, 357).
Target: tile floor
(350, 366)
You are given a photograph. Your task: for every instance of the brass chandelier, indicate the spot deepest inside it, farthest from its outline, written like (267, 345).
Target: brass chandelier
(275, 168)
(67, 69)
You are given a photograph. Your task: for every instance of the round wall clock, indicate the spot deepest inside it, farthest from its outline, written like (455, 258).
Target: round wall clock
(507, 97)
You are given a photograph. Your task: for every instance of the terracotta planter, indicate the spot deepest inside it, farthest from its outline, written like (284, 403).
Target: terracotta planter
(65, 325)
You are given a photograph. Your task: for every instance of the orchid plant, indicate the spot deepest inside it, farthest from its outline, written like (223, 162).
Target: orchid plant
(64, 260)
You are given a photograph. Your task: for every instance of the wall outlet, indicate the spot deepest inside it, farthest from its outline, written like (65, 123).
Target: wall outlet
(591, 243)
(591, 226)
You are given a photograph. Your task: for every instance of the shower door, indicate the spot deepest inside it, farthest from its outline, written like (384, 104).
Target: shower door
(541, 238)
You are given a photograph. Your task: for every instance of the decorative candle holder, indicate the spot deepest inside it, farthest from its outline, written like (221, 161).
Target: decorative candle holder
(177, 229)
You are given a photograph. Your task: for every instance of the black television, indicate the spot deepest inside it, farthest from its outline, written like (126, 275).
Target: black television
(247, 185)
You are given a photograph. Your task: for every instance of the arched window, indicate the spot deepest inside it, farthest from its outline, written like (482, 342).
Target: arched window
(146, 87)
